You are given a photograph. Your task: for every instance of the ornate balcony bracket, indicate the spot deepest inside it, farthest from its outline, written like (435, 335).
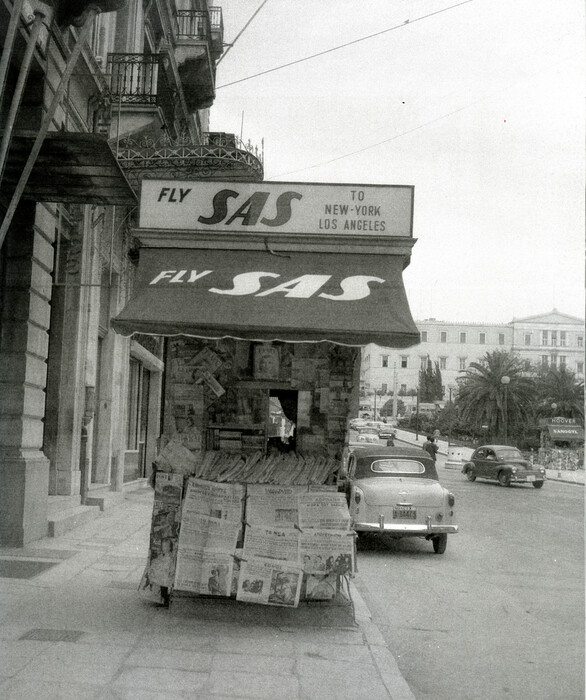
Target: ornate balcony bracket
(220, 157)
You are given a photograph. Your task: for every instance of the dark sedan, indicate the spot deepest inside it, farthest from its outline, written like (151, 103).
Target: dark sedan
(504, 464)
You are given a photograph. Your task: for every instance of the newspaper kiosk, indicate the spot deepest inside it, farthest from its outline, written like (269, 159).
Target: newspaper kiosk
(266, 292)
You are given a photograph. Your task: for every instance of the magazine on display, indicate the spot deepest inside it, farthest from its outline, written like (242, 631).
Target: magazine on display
(327, 552)
(269, 582)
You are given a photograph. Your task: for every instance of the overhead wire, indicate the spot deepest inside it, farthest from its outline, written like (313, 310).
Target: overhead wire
(342, 46)
(241, 32)
(415, 128)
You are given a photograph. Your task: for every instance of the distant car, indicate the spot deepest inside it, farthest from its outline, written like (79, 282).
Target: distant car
(367, 435)
(504, 464)
(396, 491)
(357, 423)
(386, 431)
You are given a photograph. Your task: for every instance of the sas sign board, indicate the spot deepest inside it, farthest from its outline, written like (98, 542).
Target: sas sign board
(277, 207)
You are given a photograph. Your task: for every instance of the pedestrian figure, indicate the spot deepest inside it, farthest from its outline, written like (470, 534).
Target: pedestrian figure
(430, 447)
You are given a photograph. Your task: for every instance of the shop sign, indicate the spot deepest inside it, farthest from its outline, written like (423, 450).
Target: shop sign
(277, 207)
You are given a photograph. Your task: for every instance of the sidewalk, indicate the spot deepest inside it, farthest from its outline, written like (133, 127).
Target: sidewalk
(571, 477)
(73, 626)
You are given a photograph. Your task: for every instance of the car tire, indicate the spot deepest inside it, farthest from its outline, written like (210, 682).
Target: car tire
(440, 542)
(470, 475)
(504, 479)
(537, 484)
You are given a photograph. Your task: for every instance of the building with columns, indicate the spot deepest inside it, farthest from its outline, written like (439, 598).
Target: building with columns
(549, 339)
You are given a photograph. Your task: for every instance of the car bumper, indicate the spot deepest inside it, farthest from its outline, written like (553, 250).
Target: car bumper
(528, 479)
(405, 530)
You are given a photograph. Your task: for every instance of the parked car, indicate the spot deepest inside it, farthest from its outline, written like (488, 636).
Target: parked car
(504, 464)
(396, 491)
(386, 431)
(367, 435)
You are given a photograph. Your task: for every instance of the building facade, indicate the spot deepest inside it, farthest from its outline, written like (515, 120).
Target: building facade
(550, 339)
(95, 97)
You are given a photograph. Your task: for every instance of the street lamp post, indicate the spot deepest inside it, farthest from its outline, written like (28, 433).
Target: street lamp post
(505, 381)
(451, 421)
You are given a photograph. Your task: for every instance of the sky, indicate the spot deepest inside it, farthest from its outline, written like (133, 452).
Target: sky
(478, 104)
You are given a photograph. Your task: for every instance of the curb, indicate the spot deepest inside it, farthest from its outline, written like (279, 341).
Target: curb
(396, 685)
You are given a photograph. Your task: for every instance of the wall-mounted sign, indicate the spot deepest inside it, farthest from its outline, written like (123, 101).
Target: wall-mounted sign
(277, 207)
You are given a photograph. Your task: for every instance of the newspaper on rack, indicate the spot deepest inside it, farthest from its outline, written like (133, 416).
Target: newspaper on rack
(326, 510)
(204, 572)
(174, 457)
(274, 543)
(269, 582)
(222, 501)
(272, 505)
(327, 552)
(206, 533)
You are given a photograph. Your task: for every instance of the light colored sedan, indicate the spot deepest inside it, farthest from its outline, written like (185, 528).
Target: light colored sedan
(367, 435)
(396, 491)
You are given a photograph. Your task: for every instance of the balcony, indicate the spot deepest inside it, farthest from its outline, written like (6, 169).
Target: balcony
(141, 90)
(220, 156)
(199, 37)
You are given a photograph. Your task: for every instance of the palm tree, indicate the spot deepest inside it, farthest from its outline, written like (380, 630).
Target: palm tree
(558, 386)
(484, 400)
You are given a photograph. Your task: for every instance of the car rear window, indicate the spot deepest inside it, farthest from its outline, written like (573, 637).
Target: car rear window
(397, 466)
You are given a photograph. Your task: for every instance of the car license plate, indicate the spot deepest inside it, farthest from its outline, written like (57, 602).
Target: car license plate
(530, 477)
(404, 513)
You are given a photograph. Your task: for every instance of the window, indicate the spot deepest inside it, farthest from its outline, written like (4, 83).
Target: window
(385, 359)
(527, 338)
(482, 338)
(461, 363)
(562, 339)
(554, 338)
(443, 361)
(580, 367)
(544, 360)
(501, 338)
(423, 361)
(563, 360)
(580, 341)
(463, 337)
(383, 389)
(424, 336)
(553, 360)
(404, 361)
(403, 389)
(444, 337)
(544, 337)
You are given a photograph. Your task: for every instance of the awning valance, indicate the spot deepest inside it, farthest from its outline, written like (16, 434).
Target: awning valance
(257, 295)
(566, 432)
(71, 167)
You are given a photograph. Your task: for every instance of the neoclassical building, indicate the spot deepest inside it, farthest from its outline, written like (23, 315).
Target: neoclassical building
(549, 339)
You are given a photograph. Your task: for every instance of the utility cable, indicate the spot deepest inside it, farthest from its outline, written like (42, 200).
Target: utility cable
(343, 46)
(482, 98)
(241, 31)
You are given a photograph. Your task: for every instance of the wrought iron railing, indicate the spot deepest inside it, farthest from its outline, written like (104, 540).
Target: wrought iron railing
(133, 77)
(193, 24)
(201, 25)
(181, 158)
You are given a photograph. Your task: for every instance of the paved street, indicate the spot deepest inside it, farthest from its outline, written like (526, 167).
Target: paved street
(501, 613)
(78, 629)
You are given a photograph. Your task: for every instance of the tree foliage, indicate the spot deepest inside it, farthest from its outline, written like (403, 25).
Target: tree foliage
(430, 383)
(482, 395)
(558, 393)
